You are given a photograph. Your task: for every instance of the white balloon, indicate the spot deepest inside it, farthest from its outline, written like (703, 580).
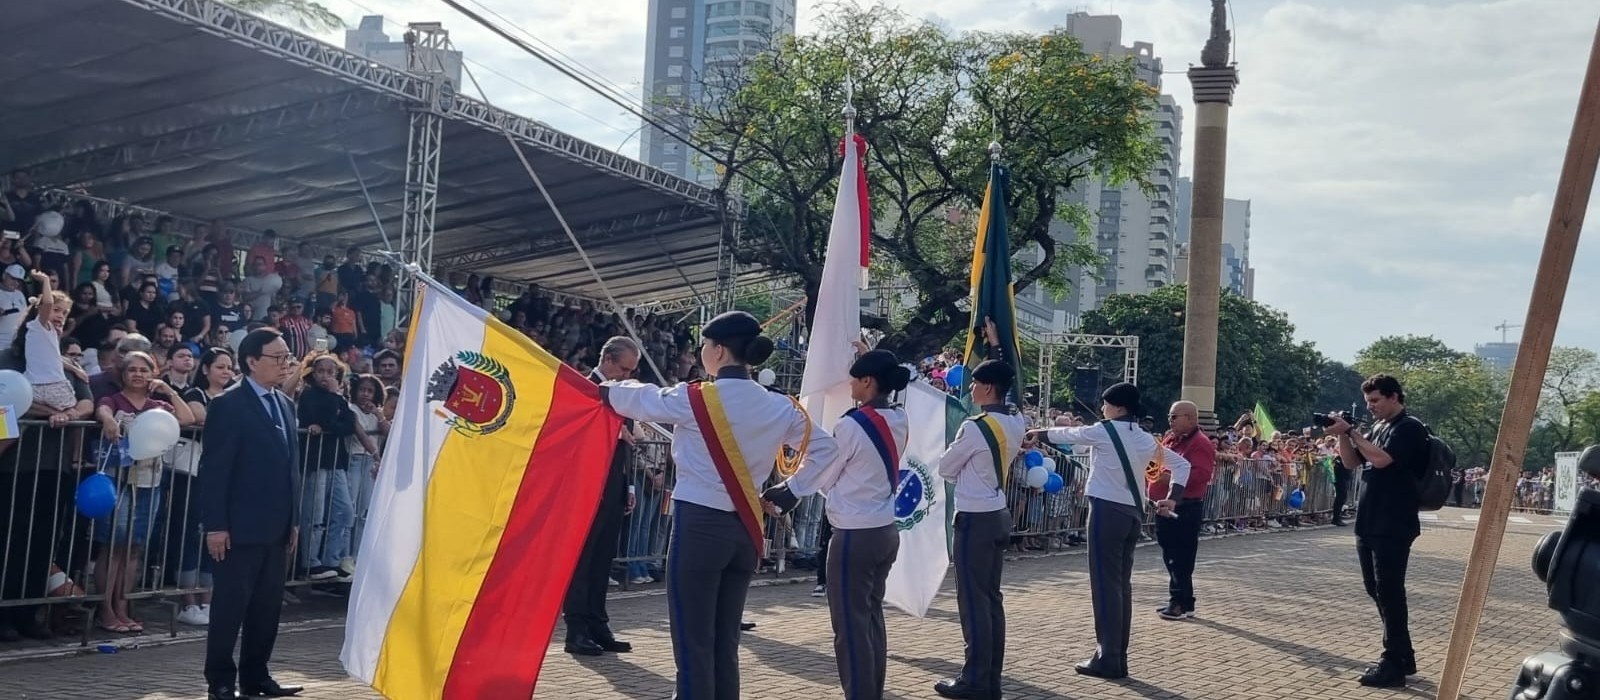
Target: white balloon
(1049, 464)
(1037, 476)
(152, 434)
(766, 376)
(15, 391)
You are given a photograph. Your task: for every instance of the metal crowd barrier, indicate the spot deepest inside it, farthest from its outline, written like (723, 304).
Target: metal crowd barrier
(51, 555)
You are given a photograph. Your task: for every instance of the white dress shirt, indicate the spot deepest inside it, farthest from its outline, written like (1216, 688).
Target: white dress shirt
(1106, 478)
(762, 422)
(856, 481)
(970, 464)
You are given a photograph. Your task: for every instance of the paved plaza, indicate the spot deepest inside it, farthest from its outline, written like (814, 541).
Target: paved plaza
(1281, 615)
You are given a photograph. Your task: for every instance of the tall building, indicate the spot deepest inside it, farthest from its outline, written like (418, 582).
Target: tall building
(368, 39)
(1500, 356)
(1134, 231)
(1184, 209)
(688, 44)
(1237, 274)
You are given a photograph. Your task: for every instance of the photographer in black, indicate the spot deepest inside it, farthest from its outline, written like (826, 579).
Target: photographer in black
(1392, 457)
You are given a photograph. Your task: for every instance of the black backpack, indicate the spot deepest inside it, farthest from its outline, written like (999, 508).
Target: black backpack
(1433, 485)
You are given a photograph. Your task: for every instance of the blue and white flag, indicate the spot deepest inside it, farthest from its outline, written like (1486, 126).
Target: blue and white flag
(921, 503)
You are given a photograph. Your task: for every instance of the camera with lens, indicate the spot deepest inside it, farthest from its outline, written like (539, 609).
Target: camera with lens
(1323, 420)
(1568, 562)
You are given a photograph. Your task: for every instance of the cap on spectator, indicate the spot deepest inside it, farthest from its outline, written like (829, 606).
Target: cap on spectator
(16, 271)
(1125, 396)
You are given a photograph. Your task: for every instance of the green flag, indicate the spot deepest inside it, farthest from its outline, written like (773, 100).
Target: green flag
(1264, 426)
(992, 296)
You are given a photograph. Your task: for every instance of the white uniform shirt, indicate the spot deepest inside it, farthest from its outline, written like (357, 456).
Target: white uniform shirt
(856, 480)
(1107, 481)
(762, 422)
(970, 464)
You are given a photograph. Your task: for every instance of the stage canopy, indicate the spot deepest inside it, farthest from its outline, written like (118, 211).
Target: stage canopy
(192, 107)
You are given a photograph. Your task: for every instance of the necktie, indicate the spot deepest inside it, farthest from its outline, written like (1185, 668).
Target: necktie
(277, 418)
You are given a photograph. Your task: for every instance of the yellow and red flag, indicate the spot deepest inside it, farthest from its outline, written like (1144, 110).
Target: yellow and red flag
(489, 482)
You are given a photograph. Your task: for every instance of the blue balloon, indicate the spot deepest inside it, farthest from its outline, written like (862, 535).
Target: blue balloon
(1297, 499)
(97, 496)
(954, 375)
(1054, 484)
(1034, 458)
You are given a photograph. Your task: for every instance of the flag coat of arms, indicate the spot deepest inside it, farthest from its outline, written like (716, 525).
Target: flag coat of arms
(922, 502)
(488, 485)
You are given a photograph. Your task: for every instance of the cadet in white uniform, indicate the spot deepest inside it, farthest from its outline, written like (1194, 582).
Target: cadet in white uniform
(1116, 515)
(860, 484)
(727, 434)
(977, 461)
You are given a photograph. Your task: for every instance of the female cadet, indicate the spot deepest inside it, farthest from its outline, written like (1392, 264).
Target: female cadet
(860, 485)
(728, 434)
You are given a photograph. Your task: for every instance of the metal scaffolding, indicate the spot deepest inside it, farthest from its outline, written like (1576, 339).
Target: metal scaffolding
(422, 151)
(1050, 342)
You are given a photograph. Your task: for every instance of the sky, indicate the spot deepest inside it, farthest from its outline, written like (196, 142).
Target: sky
(1401, 157)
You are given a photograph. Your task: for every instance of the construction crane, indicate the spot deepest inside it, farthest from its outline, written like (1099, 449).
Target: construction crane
(1505, 326)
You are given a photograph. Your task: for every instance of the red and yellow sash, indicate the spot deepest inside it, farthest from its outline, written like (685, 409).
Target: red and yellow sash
(712, 418)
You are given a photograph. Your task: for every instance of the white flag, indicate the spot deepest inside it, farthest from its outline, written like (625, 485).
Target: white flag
(920, 505)
(825, 385)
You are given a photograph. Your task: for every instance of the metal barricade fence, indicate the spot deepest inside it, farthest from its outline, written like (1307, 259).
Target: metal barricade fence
(152, 545)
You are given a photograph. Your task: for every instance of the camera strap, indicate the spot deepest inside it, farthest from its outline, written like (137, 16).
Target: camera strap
(1127, 467)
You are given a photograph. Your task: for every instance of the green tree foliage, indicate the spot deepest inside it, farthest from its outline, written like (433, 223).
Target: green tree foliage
(305, 14)
(1455, 393)
(928, 103)
(1257, 356)
(1338, 386)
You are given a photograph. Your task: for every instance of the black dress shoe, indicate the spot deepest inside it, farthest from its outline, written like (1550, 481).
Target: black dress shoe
(271, 689)
(1384, 675)
(1100, 668)
(584, 646)
(746, 626)
(958, 689)
(221, 694)
(614, 645)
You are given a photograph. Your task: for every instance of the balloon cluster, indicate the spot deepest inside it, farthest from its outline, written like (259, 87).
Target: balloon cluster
(150, 435)
(1042, 472)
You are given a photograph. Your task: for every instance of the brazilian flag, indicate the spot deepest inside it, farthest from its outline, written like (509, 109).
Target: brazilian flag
(992, 296)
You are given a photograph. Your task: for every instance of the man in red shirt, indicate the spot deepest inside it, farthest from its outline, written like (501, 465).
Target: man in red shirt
(1179, 537)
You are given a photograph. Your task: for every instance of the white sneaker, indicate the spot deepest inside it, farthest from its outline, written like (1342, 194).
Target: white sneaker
(612, 582)
(819, 591)
(641, 580)
(347, 565)
(193, 615)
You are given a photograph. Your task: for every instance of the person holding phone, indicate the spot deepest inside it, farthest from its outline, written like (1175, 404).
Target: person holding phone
(13, 303)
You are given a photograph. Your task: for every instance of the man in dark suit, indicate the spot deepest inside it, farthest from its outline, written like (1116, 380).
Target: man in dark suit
(249, 478)
(588, 631)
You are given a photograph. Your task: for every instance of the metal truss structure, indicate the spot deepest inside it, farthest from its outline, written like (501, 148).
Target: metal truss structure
(410, 87)
(614, 231)
(422, 154)
(1050, 342)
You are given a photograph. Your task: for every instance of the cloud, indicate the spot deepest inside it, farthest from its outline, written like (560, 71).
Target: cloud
(1401, 156)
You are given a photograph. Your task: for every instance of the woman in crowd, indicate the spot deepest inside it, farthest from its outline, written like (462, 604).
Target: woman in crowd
(185, 542)
(326, 512)
(88, 255)
(717, 534)
(145, 312)
(366, 400)
(122, 535)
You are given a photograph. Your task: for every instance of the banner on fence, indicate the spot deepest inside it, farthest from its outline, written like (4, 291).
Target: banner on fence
(1566, 481)
(921, 503)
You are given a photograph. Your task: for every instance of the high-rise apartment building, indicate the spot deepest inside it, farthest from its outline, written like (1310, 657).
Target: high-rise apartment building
(368, 39)
(1237, 274)
(688, 44)
(1134, 231)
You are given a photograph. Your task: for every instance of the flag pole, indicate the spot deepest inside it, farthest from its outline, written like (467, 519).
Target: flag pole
(1538, 335)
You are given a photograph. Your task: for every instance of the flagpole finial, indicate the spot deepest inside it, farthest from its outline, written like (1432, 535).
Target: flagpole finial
(849, 111)
(994, 150)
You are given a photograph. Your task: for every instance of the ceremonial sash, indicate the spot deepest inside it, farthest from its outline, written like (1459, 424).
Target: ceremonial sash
(877, 431)
(712, 417)
(1127, 467)
(995, 435)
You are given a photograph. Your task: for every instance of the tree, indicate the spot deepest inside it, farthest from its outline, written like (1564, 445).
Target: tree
(305, 14)
(1398, 354)
(1257, 356)
(1338, 386)
(928, 104)
(1571, 378)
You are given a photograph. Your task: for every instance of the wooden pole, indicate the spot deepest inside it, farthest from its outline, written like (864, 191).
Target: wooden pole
(1527, 375)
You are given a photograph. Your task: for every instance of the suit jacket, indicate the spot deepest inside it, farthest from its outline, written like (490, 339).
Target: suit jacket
(249, 479)
(616, 489)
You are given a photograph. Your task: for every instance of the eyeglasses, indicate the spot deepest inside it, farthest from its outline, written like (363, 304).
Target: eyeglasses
(279, 357)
